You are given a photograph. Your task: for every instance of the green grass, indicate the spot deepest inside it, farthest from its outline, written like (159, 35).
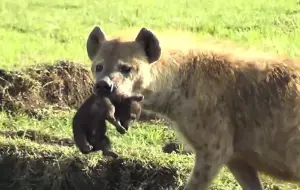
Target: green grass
(35, 31)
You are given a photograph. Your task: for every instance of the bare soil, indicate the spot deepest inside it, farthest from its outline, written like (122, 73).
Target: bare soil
(23, 169)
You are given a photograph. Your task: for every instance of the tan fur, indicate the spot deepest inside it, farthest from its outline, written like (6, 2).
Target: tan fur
(232, 107)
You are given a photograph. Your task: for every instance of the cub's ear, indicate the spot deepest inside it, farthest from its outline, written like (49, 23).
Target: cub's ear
(150, 44)
(94, 41)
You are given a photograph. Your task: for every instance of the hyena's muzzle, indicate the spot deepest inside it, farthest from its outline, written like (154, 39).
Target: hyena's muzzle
(105, 85)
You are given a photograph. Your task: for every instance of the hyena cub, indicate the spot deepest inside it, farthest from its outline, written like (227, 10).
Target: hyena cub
(118, 109)
(127, 109)
(89, 126)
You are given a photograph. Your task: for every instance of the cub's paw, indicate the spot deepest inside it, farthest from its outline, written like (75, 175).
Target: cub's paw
(86, 149)
(121, 130)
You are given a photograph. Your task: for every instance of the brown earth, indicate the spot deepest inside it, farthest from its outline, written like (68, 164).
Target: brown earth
(23, 169)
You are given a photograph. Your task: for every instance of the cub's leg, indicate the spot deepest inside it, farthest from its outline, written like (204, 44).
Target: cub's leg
(111, 116)
(246, 175)
(106, 146)
(118, 125)
(81, 141)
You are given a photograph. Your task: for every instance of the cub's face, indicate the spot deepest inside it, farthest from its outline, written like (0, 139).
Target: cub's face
(119, 66)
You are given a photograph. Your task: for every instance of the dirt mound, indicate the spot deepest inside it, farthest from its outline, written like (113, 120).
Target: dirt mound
(22, 169)
(63, 85)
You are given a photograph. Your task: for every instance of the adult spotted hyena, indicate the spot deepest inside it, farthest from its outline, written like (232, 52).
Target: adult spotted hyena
(234, 110)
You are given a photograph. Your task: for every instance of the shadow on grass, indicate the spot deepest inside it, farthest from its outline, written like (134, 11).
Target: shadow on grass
(38, 137)
(21, 169)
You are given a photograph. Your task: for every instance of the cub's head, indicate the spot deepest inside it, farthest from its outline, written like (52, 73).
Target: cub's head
(122, 66)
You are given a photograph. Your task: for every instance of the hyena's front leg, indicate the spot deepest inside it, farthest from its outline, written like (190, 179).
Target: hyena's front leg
(207, 165)
(213, 150)
(246, 175)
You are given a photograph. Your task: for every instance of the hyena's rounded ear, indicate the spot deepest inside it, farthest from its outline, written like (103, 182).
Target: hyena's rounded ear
(150, 43)
(94, 41)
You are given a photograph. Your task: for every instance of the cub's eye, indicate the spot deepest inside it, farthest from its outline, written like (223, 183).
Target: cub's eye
(99, 68)
(125, 69)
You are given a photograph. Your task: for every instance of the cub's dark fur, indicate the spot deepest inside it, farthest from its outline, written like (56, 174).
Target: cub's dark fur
(89, 126)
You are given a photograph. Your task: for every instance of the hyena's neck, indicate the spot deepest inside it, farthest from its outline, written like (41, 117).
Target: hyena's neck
(169, 87)
(187, 79)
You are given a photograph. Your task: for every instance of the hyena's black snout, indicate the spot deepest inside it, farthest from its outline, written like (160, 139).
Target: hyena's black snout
(104, 85)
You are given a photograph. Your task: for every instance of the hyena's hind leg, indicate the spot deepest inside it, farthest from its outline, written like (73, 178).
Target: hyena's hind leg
(246, 175)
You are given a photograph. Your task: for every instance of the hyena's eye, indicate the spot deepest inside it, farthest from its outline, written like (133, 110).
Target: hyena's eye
(99, 68)
(125, 69)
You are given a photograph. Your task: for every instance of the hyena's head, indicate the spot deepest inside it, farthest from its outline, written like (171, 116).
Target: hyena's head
(120, 66)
